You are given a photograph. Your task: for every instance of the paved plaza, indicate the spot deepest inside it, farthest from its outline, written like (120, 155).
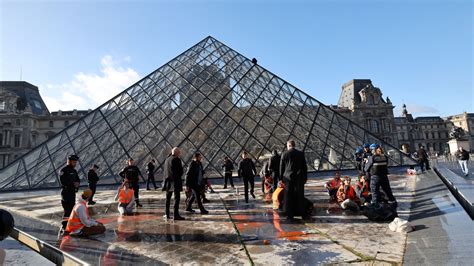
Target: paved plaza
(233, 232)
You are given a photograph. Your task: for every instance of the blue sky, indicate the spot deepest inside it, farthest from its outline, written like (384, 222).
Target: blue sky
(418, 52)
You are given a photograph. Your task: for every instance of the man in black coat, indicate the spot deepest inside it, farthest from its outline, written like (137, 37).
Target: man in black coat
(151, 174)
(173, 171)
(274, 167)
(132, 173)
(69, 185)
(294, 170)
(92, 179)
(247, 171)
(194, 182)
(228, 166)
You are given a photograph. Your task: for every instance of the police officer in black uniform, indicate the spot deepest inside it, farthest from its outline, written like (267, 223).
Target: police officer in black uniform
(69, 186)
(377, 165)
(92, 179)
(131, 172)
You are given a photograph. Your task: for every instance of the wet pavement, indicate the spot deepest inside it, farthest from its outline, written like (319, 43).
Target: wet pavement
(232, 233)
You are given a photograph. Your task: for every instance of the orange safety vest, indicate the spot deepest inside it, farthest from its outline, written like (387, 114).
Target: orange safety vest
(74, 222)
(276, 197)
(125, 197)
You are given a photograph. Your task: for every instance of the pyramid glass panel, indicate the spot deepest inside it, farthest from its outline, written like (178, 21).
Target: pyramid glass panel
(209, 99)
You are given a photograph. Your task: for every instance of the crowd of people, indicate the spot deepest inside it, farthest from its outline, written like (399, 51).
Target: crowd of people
(283, 180)
(372, 166)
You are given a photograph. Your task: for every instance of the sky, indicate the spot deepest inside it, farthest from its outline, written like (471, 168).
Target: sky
(82, 53)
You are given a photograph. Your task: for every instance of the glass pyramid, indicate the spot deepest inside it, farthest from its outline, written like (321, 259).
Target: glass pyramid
(210, 99)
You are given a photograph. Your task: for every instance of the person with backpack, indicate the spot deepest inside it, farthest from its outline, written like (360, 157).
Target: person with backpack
(247, 171)
(463, 157)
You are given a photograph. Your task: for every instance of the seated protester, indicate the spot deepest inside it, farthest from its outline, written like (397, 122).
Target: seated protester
(126, 198)
(278, 195)
(333, 185)
(79, 222)
(346, 196)
(362, 190)
(268, 188)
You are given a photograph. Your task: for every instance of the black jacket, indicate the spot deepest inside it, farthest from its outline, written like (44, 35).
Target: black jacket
(192, 175)
(462, 155)
(150, 168)
(293, 165)
(247, 168)
(173, 171)
(377, 165)
(228, 166)
(68, 175)
(274, 164)
(92, 177)
(131, 172)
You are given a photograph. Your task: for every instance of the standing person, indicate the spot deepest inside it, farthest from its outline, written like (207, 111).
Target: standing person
(247, 171)
(69, 186)
(377, 165)
(228, 166)
(173, 171)
(132, 173)
(151, 174)
(79, 222)
(293, 170)
(463, 157)
(194, 181)
(423, 157)
(264, 173)
(92, 179)
(126, 198)
(274, 167)
(359, 156)
(365, 157)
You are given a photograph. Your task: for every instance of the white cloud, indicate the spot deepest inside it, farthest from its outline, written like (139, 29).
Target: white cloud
(89, 90)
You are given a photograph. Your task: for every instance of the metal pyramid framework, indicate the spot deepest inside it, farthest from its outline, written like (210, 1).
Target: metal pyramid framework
(209, 99)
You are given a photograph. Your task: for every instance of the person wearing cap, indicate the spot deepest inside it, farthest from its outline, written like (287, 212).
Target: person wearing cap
(377, 165)
(125, 197)
(132, 173)
(70, 181)
(92, 179)
(79, 222)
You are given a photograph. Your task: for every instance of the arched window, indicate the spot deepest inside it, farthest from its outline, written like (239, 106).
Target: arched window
(374, 124)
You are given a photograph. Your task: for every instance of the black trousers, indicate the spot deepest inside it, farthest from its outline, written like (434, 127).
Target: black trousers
(276, 178)
(294, 198)
(247, 180)
(67, 206)
(92, 186)
(177, 195)
(228, 176)
(151, 178)
(196, 195)
(135, 187)
(377, 183)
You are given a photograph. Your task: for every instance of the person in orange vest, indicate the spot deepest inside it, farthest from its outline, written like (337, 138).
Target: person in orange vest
(79, 222)
(346, 195)
(278, 195)
(362, 190)
(126, 198)
(333, 185)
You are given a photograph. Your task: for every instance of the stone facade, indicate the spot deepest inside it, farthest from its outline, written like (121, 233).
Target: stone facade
(361, 102)
(25, 121)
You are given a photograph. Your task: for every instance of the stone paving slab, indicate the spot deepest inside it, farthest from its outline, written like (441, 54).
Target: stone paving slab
(233, 232)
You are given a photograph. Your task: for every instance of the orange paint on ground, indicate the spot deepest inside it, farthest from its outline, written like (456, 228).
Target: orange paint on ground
(244, 222)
